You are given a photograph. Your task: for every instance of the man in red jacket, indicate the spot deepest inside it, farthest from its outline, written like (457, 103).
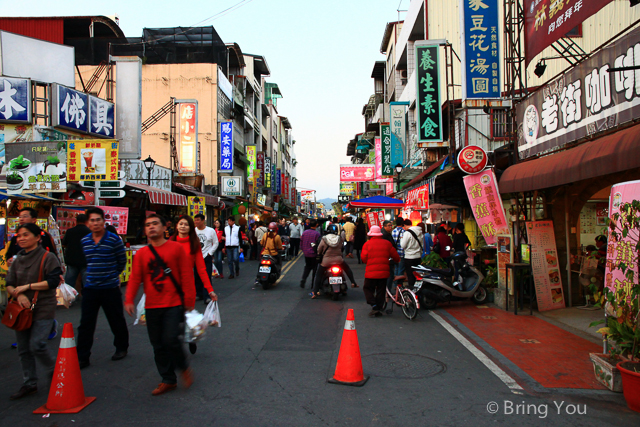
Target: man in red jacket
(375, 254)
(166, 300)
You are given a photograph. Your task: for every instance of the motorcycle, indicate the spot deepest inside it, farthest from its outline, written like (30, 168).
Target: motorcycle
(334, 282)
(268, 271)
(434, 285)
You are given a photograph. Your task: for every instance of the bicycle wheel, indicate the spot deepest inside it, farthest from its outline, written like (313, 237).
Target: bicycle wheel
(410, 306)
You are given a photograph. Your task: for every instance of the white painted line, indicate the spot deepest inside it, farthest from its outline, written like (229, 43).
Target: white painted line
(502, 375)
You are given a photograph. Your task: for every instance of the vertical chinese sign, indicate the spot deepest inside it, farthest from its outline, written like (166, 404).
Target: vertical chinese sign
(428, 99)
(544, 264)
(260, 169)
(385, 132)
(624, 249)
(480, 49)
(70, 109)
(278, 181)
(251, 156)
(378, 163)
(398, 131)
(486, 204)
(195, 206)
(101, 117)
(188, 136)
(226, 147)
(267, 172)
(92, 160)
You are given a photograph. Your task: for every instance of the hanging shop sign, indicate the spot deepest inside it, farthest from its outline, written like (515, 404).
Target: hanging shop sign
(36, 167)
(398, 131)
(307, 195)
(389, 188)
(129, 103)
(347, 188)
(188, 136)
(344, 199)
(101, 117)
(480, 50)
(378, 162)
(472, 159)
(70, 108)
(262, 199)
(428, 97)
(418, 198)
(226, 147)
(267, 172)
(231, 186)
(278, 182)
(274, 163)
(357, 173)
(486, 204)
(92, 160)
(15, 100)
(544, 264)
(585, 100)
(259, 169)
(386, 145)
(624, 249)
(195, 206)
(251, 156)
(546, 21)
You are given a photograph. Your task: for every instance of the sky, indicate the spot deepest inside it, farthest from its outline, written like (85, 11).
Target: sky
(320, 54)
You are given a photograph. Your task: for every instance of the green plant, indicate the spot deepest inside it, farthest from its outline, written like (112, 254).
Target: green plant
(491, 279)
(52, 160)
(434, 260)
(19, 162)
(14, 178)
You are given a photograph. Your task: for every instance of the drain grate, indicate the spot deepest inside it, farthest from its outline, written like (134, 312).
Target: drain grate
(404, 366)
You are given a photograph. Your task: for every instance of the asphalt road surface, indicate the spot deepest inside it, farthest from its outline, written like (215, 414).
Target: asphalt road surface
(269, 363)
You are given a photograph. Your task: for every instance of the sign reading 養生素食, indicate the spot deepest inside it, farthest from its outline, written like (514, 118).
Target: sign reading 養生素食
(428, 99)
(486, 204)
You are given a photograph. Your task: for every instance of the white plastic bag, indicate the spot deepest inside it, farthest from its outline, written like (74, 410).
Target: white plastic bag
(195, 326)
(141, 317)
(212, 314)
(214, 271)
(68, 293)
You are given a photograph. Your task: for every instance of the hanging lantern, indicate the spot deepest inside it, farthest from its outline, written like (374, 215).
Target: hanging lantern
(242, 209)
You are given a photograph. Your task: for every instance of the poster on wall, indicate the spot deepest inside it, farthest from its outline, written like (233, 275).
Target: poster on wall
(36, 166)
(117, 217)
(92, 160)
(486, 204)
(545, 265)
(195, 206)
(66, 218)
(505, 256)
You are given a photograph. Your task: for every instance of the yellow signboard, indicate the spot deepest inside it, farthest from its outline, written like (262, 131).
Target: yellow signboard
(92, 160)
(195, 206)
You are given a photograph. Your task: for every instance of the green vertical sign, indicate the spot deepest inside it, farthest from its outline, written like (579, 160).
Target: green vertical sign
(428, 98)
(385, 132)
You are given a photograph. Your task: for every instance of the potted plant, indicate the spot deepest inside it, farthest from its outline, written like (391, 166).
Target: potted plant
(15, 181)
(434, 260)
(20, 163)
(490, 281)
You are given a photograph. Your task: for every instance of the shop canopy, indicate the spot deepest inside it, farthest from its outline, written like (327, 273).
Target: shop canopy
(160, 197)
(617, 152)
(208, 198)
(381, 202)
(27, 196)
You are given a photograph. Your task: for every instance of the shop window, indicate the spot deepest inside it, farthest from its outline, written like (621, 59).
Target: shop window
(575, 32)
(500, 124)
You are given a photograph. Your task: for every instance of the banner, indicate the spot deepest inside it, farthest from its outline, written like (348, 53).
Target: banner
(486, 204)
(546, 21)
(357, 173)
(398, 131)
(378, 163)
(387, 167)
(622, 250)
(195, 206)
(92, 160)
(251, 156)
(188, 137)
(428, 98)
(418, 198)
(307, 195)
(36, 167)
(372, 219)
(544, 263)
(480, 52)
(226, 147)
(260, 169)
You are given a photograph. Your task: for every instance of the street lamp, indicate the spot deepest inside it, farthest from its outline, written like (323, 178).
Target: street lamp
(398, 171)
(149, 163)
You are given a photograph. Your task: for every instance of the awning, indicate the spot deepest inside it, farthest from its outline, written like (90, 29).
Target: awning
(208, 198)
(377, 202)
(617, 152)
(160, 197)
(426, 173)
(29, 196)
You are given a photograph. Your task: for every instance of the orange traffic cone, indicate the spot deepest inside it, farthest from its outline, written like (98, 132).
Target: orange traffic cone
(66, 395)
(349, 366)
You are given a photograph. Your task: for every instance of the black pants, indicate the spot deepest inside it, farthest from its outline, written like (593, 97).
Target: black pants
(408, 263)
(374, 291)
(200, 289)
(320, 275)
(166, 329)
(295, 246)
(111, 302)
(310, 264)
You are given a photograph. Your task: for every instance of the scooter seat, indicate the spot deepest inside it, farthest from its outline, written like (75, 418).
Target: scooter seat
(444, 272)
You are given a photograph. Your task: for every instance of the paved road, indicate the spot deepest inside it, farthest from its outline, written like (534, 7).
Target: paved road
(269, 363)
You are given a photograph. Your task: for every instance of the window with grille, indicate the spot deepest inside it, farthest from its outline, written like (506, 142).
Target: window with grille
(500, 124)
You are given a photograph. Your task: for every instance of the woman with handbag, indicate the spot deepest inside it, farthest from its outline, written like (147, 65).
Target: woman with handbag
(31, 282)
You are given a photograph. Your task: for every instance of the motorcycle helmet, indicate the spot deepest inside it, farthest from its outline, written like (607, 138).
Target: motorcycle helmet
(273, 226)
(332, 229)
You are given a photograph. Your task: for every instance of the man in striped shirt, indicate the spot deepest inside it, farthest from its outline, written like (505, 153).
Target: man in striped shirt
(106, 259)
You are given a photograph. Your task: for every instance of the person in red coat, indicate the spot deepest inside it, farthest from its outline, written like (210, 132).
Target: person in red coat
(375, 254)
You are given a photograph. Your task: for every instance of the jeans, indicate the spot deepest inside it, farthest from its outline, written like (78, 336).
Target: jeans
(200, 289)
(32, 345)
(349, 248)
(72, 276)
(233, 258)
(399, 270)
(111, 302)
(217, 255)
(392, 269)
(408, 263)
(310, 264)
(254, 251)
(374, 292)
(166, 329)
(295, 246)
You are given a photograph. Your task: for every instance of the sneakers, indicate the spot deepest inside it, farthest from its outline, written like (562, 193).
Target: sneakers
(119, 355)
(163, 388)
(187, 377)
(374, 312)
(54, 330)
(25, 390)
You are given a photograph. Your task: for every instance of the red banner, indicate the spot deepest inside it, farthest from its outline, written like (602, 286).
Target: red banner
(260, 169)
(372, 219)
(418, 198)
(548, 20)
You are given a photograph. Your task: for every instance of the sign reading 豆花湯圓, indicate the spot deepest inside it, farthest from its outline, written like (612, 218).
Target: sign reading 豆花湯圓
(428, 99)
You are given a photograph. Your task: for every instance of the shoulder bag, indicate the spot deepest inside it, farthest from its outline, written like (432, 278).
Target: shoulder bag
(18, 317)
(417, 240)
(167, 272)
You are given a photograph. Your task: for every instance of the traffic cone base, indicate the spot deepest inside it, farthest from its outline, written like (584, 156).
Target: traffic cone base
(349, 366)
(43, 409)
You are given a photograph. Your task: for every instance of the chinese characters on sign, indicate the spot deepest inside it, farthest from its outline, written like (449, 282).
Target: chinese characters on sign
(188, 136)
(472, 159)
(545, 266)
(226, 147)
(15, 100)
(101, 117)
(267, 172)
(481, 49)
(251, 156)
(357, 173)
(71, 109)
(428, 100)
(278, 182)
(36, 167)
(347, 188)
(116, 216)
(385, 132)
(232, 186)
(486, 204)
(398, 130)
(92, 160)
(195, 206)
(378, 162)
(260, 169)
(418, 198)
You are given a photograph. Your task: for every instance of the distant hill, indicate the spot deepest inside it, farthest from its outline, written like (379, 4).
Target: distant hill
(327, 202)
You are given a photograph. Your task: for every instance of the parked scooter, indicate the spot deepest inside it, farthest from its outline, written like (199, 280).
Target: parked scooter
(269, 271)
(434, 285)
(334, 282)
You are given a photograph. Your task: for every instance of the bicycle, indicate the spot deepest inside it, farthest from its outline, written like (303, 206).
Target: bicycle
(405, 298)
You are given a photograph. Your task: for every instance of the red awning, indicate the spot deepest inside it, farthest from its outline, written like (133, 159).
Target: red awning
(617, 152)
(208, 198)
(160, 197)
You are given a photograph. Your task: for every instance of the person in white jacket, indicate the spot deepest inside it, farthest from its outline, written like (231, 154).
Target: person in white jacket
(412, 245)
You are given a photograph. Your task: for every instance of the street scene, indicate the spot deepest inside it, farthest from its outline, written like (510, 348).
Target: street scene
(251, 212)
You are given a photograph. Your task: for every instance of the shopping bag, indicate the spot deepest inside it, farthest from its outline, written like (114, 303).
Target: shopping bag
(241, 257)
(65, 294)
(141, 317)
(195, 325)
(214, 271)
(212, 314)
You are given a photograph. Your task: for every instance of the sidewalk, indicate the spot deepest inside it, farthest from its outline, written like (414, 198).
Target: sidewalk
(539, 353)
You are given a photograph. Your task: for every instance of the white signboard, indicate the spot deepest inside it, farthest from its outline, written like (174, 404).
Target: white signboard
(232, 186)
(128, 105)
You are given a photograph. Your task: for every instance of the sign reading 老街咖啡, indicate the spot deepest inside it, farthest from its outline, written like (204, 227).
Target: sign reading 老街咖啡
(585, 100)
(486, 204)
(357, 173)
(188, 136)
(195, 206)
(36, 166)
(480, 49)
(428, 99)
(16, 100)
(92, 160)
(386, 148)
(545, 265)
(226, 147)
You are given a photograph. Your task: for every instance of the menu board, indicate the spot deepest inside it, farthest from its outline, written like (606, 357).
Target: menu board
(588, 219)
(13, 223)
(195, 205)
(116, 216)
(505, 256)
(545, 266)
(66, 219)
